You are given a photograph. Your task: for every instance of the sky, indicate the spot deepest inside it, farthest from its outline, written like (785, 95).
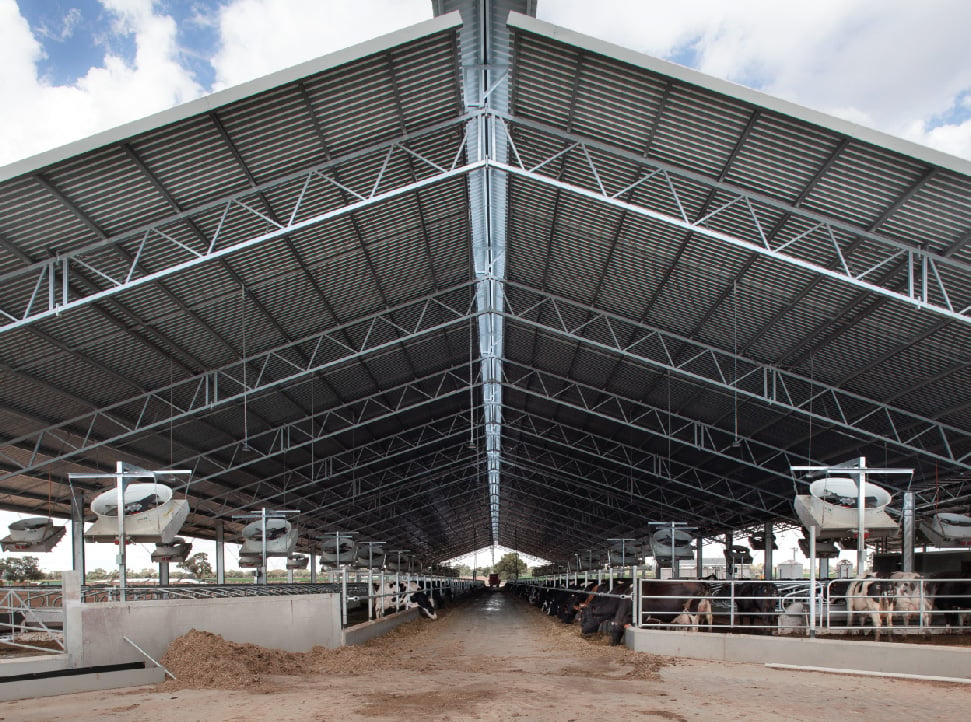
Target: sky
(72, 68)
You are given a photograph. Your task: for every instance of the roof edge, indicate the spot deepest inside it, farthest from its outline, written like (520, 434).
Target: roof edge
(213, 101)
(740, 92)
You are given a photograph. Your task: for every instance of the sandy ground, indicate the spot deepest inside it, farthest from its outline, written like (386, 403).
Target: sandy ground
(495, 658)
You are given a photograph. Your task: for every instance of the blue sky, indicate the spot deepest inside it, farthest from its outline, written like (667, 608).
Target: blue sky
(71, 68)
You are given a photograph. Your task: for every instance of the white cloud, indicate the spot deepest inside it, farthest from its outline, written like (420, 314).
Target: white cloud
(261, 36)
(893, 65)
(68, 24)
(42, 116)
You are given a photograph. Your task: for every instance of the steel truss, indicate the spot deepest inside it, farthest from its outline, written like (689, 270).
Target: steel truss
(210, 231)
(638, 464)
(369, 492)
(717, 368)
(598, 488)
(809, 241)
(336, 468)
(251, 375)
(763, 460)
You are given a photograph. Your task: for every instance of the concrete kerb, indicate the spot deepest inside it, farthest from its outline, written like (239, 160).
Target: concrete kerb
(886, 657)
(361, 633)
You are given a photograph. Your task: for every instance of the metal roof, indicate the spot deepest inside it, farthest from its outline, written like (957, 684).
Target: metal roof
(473, 282)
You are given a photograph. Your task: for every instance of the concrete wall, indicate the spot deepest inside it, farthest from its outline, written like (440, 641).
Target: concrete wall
(361, 633)
(889, 657)
(95, 632)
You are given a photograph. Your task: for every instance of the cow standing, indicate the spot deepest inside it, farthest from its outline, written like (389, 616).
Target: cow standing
(665, 602)
(756, 603)
(609, 614)
(871, 596)
(910, 599)
(953, 599)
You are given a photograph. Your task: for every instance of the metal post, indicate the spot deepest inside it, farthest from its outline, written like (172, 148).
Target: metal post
(908, 531)
(636, 597)
(163, 574)
(729, 556)
(122, 559)
(767, 563)
(220, 553)
(343, 593)
(812, 580)
(77, 531)
(313, 566)
(860, 510)
(381, 601)
(699, 558)
(261, 572)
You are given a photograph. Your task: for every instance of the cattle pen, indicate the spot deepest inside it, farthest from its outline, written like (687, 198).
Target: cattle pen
(491, 656)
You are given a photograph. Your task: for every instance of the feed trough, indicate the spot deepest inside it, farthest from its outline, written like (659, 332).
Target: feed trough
(832, 506)
(281, 537)
(671, 543)
(175, 551)
(151, 515)
(33, 534)
(825, 548)
(946, 529)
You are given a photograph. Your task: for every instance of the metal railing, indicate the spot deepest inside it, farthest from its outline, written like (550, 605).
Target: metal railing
(25, 616)
(790, 606)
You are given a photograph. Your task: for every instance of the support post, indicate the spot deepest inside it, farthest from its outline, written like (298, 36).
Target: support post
(220, 553)
(908, 531)
(77, 531)
(729, 557)
(767, 562)
(163, 574)
(122, 558)
(860, 510)
(313, 565)
(812, 580)
(261, 572)
(700, 558)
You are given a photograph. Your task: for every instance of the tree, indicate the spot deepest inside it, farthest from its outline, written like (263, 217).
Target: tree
(511, 566)
(23, 569)
(198, 565)
(464, 570)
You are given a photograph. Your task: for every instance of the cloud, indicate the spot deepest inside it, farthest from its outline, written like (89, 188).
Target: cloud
(69, 24)
(892, 65)
(261, 36)
(44, 115)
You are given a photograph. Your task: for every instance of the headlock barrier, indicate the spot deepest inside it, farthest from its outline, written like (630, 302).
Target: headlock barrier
(903, 603)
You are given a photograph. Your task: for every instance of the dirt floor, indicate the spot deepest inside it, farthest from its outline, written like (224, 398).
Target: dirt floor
(492, 658)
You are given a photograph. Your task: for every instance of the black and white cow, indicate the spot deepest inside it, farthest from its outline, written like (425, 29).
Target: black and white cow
(874, 598)
(911, 598)
(408, 595)
(680, 603)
